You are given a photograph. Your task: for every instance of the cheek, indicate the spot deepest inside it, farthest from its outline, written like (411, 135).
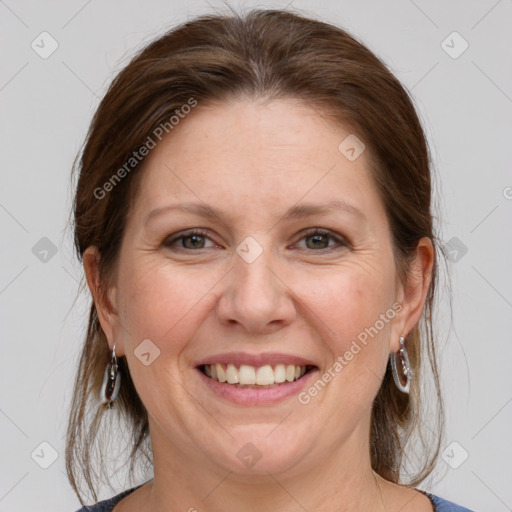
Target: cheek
(163, 303)
(355, 303)
(348, 300)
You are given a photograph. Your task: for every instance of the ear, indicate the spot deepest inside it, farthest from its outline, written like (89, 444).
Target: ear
(413, 294)
(105, 299)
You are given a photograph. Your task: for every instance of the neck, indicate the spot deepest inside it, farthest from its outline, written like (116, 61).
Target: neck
(342, 480)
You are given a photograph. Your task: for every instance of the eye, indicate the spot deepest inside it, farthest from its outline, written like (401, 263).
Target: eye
(318, 239)
(193, 239)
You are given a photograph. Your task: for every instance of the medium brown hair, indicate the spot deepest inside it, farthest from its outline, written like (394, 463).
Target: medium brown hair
(268, 54)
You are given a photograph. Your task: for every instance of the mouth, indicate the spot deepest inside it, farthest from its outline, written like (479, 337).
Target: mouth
(245, 376)
(256, 379)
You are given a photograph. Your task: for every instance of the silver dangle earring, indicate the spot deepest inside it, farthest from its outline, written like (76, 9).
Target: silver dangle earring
(405, 368)
(111, 382)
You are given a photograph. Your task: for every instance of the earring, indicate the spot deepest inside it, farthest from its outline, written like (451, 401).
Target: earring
(405, 368)
(111, 382)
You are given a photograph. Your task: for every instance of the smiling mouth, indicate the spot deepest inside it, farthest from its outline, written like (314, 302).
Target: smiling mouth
(251, 377)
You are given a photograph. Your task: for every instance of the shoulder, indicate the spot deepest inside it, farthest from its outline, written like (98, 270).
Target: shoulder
(107, 505)
(442, 505)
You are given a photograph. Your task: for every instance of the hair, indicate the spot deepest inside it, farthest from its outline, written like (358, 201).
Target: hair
(263, 54)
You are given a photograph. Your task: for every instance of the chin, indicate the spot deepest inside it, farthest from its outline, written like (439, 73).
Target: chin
(260, 450)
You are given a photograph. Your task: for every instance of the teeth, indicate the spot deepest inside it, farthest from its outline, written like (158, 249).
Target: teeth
(279, 373)
(232, 374)
(290, 373)
(265, 376)
(221, 374)
(250, 376)
(247, 375)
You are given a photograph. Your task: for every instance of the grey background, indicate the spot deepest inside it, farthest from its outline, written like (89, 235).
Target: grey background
(466, 106)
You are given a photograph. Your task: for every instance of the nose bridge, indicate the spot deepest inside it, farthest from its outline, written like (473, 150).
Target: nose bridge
(254, 276)
(255, 297)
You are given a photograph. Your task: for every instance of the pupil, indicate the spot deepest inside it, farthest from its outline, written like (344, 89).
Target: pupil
(194, 239)
(318, 238)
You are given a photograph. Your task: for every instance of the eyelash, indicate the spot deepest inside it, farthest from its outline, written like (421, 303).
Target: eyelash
(169, 242)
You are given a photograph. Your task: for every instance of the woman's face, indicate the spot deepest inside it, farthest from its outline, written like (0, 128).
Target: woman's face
(257, 290)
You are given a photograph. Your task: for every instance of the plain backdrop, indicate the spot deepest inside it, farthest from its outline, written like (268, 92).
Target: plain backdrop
(454, 57)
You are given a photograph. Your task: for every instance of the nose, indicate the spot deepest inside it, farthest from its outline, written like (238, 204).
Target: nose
(256, 298)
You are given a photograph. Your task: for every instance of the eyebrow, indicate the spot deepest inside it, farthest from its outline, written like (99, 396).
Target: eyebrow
(299, 211)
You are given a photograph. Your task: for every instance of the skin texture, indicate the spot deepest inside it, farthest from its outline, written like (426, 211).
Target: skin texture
(253, 160)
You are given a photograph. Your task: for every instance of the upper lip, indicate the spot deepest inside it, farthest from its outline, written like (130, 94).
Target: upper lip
(256, 360)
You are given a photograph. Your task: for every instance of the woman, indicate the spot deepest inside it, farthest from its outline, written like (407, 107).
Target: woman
(253, 213)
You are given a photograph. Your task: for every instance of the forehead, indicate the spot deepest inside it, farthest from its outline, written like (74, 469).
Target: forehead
(267, 153)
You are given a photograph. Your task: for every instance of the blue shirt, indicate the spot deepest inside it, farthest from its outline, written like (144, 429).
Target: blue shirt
(438, 503)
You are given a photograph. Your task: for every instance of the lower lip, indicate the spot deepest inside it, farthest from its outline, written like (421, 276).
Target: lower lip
(252, 396)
